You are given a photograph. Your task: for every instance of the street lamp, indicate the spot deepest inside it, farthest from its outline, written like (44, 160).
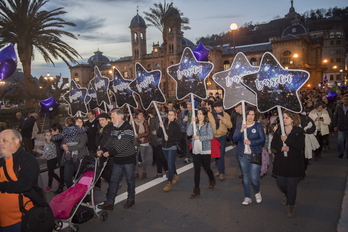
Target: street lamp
(2, 83)
(48, 77)
(233, 28)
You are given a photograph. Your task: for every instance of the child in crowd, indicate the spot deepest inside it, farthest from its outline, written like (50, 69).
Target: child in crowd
(70, 132)
(50, 154)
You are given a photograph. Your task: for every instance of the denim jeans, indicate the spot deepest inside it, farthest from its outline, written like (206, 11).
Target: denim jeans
(144, 151)
(251, 175)
(341, 142)
(288, 186)
(118, 171)
(221, 161)
(13, 228)
(170, 155)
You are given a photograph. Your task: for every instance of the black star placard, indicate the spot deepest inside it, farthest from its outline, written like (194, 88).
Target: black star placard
(147, 86)
(119, 86)
(189, 75)
(76, 100)
(100, 85)
(275, 86)
(230, 82)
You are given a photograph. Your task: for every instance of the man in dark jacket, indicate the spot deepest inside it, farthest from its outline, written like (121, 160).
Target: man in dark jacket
(92, 124)
(103, 133)
(120, 146)
(27, 130)
(340, 124)
(23, 170)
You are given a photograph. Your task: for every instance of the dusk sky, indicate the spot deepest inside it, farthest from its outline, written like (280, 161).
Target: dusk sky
(104, 24)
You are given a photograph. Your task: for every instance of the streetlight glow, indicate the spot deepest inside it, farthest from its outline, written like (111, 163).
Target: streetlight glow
(233, 26)
(295, 55)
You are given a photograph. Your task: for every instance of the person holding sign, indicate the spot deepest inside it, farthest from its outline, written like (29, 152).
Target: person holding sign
(201, 149)
(256, 139)
(169, 143)
(220, 122)
(289, 169)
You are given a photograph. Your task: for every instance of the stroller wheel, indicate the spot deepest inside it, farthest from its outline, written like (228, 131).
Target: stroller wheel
(103, 216)
(58, 225)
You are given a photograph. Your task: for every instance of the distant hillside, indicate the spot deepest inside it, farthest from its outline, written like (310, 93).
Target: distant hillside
(314, 20)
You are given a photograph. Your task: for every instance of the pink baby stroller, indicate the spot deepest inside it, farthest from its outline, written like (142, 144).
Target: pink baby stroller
(66, 205)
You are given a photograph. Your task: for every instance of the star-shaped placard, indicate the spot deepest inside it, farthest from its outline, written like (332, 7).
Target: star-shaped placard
(275, 86)
(146, 85)
(190, 75)
(91, 99)
(76, 99)
(230, 82)
(120, 87)
(101, 86)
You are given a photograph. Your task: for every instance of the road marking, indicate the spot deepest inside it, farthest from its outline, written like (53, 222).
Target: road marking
(157, 181)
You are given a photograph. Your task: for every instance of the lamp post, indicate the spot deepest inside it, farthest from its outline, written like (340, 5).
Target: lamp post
(233, 28)
(48, 77)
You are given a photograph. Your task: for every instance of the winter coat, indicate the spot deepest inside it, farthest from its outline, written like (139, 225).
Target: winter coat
(294, 164)
(173, 132)
(340, 118)
(324, 125)
(255, 134)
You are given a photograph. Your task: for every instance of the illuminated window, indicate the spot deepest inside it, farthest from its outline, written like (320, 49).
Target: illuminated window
(226, 65)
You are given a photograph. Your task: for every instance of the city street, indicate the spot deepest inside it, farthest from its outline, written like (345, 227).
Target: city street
(318, 208)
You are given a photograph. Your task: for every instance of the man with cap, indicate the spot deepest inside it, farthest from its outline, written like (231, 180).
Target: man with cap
(221, 122)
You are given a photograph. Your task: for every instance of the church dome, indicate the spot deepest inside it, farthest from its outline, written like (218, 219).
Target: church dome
(98, 59)
(295, 29)
(137, 21)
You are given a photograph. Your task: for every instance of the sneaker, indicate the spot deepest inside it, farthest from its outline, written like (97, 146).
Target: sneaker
(187, 160)
(48, 189)
(246, 201)
(175, 178)
(167, 187)
(128, 204)
(258, 197)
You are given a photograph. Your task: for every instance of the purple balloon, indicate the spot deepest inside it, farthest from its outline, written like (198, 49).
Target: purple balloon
(8, 62)
(331, 96)
(48, 105)
(201, 53)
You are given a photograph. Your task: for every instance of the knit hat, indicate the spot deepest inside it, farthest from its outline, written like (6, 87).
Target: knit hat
(104, 115)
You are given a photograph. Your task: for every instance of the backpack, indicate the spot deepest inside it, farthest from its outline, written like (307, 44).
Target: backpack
(39, 218)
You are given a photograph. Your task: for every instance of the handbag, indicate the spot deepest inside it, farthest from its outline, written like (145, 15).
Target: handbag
(215, 148)
(256, 159)
(179, 148)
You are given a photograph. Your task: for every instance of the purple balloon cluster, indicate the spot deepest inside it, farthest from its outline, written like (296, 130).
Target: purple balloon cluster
(8, 62)
(48, 105)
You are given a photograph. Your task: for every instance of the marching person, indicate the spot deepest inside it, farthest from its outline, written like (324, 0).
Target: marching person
(220, 122)
(24, 170)
(290, 168)
(169, 143)
(120, 146)
(201, 149)
(255, 140)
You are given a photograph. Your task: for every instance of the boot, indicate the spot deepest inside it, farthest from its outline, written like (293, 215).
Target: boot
(168, 186)
(212, 184)
(196, 192)
(291, 211)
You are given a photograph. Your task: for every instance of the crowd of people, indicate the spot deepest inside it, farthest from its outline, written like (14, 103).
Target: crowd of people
(130, 143)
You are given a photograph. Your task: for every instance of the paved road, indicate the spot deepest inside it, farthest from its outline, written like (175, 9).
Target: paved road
(319, 203)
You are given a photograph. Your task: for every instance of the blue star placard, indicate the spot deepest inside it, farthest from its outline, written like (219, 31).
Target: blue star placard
(275, 86)
(230, 82)
(190, 75)
(147, 86)
(120, 88)
(101, 86)
(76, 99)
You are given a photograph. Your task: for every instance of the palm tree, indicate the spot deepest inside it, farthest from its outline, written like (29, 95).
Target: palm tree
(164, 17)
(25, 23)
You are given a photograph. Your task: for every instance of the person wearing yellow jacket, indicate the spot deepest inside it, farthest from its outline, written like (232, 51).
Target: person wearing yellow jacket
(221, 122)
